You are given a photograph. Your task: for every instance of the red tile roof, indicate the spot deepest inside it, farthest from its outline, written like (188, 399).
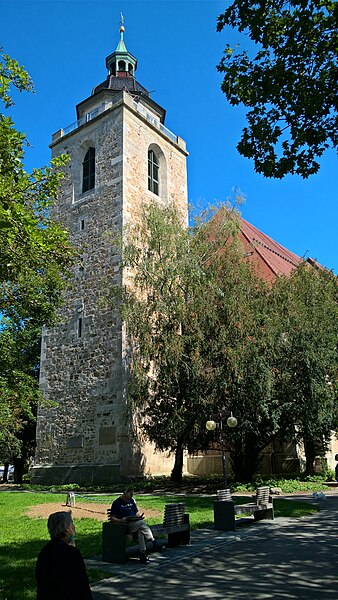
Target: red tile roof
(269, 258)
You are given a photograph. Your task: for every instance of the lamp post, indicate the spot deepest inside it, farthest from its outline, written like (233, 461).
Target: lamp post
(211, 425)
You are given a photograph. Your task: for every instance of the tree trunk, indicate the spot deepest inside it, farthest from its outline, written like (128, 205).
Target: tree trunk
(310, 455)
(176, 473)
(5, 473)
(19, 469)
(246, 460)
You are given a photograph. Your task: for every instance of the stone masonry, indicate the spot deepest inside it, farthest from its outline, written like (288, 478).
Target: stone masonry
(83, 433)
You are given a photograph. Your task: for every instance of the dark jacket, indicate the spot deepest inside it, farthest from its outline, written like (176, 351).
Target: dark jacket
(61, 574)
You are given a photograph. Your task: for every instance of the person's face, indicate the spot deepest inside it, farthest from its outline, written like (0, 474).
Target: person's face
(71, 530)
(127, 496)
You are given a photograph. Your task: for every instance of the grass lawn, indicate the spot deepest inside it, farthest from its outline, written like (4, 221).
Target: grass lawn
(22, 537)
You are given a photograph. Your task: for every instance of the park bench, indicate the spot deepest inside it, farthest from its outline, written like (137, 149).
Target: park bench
(225, 509)
(115, 536)
(261, 507)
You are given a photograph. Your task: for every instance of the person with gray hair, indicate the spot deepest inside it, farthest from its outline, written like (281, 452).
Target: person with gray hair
(124, 510)
(60, 571)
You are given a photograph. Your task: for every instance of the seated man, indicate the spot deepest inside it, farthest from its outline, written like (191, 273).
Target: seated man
(124, 510)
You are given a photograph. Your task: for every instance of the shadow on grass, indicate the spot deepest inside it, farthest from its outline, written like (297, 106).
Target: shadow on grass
(17, 560)
(17, 569)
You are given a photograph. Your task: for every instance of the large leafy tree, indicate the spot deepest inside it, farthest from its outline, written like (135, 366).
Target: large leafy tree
(197, 320)
(289, 85)
(34, 249)
(164, 309)
(305, 367)
(35, 256)
(208, 336)
(239, 338)
(19, 393)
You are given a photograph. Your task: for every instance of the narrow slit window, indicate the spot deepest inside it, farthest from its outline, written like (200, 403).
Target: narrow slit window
(153, 171)
(88, 176)
(79, 327)
(82, 224)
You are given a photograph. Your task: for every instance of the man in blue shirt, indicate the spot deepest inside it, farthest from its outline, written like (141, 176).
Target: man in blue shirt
(124, 510)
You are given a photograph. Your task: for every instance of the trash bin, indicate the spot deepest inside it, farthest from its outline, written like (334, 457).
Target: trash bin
(224, 515)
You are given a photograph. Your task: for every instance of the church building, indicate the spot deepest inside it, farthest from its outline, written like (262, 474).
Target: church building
(121, 155)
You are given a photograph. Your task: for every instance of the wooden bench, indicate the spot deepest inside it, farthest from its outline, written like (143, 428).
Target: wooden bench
(225, 508)
(115, 536)
(261, 507)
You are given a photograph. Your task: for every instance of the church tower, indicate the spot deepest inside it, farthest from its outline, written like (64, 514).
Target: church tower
(121, 155)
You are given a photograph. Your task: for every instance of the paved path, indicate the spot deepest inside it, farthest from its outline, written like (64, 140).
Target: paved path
(282, 559)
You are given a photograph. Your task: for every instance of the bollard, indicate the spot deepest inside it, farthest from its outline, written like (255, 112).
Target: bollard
(70, 500)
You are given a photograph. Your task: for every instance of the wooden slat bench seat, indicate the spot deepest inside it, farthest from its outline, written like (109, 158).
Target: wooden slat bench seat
(261, 507)
(225, 508)
(175, 525)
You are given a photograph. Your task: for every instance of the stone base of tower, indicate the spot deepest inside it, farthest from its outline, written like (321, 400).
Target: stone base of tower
(94, 474)
(145, 463)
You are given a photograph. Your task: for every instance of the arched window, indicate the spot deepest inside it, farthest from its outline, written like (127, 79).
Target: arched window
(88, 177)
(122, 65)
(153, 168)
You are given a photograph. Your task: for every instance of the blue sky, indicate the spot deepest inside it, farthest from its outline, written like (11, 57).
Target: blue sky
(63, 45)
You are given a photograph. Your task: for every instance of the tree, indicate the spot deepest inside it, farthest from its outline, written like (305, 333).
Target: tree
(239, 335)
(196, 322)
(35, 252)
(207, 335)
(35, 257)
(163, 306)
(305, 364)
(19, 393)
(289, 86)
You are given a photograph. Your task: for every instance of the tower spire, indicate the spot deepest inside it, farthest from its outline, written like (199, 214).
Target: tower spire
(121, 47)
(121, 63)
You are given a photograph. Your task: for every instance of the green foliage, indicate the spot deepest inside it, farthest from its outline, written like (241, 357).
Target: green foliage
(35, 253)
(162, 485)
(305, 368)
(35, 256)
(19, 356)
(174, 269)
(237, 351)
(11, 73)
(289, 86)
(207, 335)
(287, 485)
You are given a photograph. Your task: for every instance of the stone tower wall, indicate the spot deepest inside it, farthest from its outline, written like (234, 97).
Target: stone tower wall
(83, 375)
(84, 436)
(138, 137)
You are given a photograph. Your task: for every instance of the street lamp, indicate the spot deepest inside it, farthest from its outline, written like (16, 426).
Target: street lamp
(211, 425)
